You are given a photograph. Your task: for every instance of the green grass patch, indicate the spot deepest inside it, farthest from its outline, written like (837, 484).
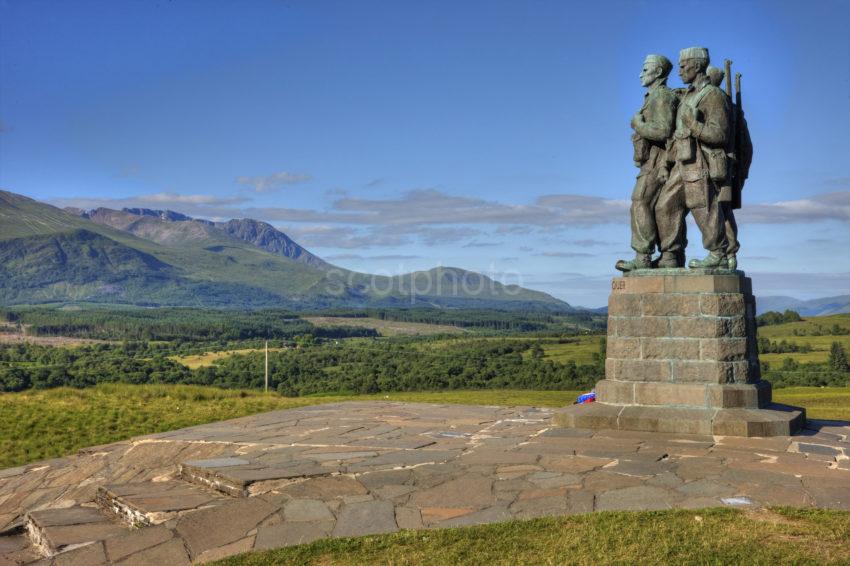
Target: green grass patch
(706, 536)
(829, 403)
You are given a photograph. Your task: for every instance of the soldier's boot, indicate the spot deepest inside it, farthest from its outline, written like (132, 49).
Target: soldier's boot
(668, 260)
(641, 261)
(711, 260)
(731, 262)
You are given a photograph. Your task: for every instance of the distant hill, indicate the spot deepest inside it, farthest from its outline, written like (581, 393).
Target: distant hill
(813, 307)
(153, 257)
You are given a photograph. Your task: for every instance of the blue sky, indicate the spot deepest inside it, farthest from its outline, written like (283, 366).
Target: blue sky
(392, 136)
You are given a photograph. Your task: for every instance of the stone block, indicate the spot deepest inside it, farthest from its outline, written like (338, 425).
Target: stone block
(723, 349)
(693, 395)
(637, 370)
(708, 327)
(670, 348)
(703, 284)
(624, 305)
(702, 372)
(665, 304)
(773, 420)
(722, 304)
(615, 392)
(741, 372)
(741, 396)
(696, 327)
(622, 347)
(666, 419)
(637, 285)
(637, 327)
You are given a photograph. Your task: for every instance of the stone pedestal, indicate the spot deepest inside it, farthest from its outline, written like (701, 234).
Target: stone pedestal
(682, 358)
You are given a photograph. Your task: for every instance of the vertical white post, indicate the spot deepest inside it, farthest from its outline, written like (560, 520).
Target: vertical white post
(267, 366)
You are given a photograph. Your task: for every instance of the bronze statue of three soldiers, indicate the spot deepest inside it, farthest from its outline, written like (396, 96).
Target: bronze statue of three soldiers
(693, 150)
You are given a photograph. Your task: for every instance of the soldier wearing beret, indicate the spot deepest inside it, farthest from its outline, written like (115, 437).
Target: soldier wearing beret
(699, 160)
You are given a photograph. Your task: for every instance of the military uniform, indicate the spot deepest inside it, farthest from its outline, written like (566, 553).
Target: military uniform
(658, 111)
(700, 159)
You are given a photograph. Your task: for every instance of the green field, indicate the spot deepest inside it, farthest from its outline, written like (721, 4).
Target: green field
(41, 424)
(385, 327)
(705, 536)
(195, 361)
(578, 349)
(820, 344)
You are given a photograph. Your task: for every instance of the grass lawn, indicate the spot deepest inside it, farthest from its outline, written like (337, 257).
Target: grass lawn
(706, 536)
(39, 424)
(828, 403)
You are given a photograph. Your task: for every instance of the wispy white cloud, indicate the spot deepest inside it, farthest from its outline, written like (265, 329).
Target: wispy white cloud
(187, 204)
(385, 257)
(273, 182)
(827, 206)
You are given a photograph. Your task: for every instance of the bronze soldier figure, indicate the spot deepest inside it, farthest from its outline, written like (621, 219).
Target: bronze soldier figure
(724, 196)
(699, 151)
(653, 125)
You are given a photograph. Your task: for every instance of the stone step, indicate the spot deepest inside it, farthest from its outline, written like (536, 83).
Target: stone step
(235, 476)
(53, 531)
(772, 420)
(152, 503)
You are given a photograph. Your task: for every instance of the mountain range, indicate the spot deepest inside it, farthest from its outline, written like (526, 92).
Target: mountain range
(148, 257)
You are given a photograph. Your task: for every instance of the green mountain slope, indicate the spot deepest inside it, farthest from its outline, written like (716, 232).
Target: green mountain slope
(52, 255)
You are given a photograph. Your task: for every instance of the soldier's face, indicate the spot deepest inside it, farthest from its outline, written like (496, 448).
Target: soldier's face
(688, 70)
(649, 73)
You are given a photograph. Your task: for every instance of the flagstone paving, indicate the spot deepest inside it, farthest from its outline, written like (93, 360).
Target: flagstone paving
(358, 468)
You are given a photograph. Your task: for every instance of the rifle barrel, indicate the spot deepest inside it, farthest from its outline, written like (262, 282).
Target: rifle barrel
(728, 67)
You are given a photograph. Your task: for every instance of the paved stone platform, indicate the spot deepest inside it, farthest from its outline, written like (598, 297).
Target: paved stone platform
(357, 468)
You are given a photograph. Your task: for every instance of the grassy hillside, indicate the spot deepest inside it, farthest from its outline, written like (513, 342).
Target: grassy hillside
(817, 332)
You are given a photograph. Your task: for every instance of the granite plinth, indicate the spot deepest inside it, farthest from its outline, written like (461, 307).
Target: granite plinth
(682, 356)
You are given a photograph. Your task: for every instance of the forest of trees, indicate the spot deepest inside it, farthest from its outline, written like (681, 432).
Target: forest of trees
(773, 317)
(140, 345)
(318, 367)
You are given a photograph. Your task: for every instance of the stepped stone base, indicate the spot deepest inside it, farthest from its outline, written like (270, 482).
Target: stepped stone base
(773, 420)
(682, 357)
